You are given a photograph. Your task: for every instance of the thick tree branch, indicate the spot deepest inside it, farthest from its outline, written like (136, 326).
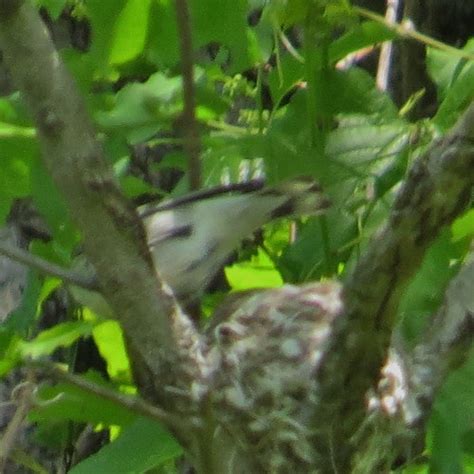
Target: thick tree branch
(396, 423)
(158, 333)
(437, 189)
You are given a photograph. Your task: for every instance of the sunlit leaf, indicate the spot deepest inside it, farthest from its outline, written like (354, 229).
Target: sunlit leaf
(259, 272)
(131, 31)
(109, 339)
(463, 227)
(67, 402)
(61, 335)
(140, 447)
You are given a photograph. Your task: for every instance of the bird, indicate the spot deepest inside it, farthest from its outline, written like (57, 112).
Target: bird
(191, 237)
(23, 224)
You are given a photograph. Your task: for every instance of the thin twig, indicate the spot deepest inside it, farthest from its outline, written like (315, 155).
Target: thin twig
(30, 260)
(134, 404)
(383, 69)
(22, 458)
(407, 29)
(289, 47)
(192, 144)
(12, 431)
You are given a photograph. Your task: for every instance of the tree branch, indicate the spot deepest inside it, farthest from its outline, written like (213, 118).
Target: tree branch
(134, 404)
(395, 427)
(407, 30)
(437, 189)
(164, 343)
(47, 268)
(13, 430)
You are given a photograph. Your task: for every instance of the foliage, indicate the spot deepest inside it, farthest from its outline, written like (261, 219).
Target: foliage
(255, 99)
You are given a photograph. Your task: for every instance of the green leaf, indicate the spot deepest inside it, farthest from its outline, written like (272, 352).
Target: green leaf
(52, 207)
(308, 258)
(354, 92)
(109, 339)
(54, 7)
(287, 13)
(463, 227)
(8, 130)
(134, 187)
(361, 141)
(446, 448)
(452, 417)
(103, 16)
(21, 319)
(445, 67)
(65, 402)
(10, 348)
(163, 47)
(61, 335)
(224, 155)
(131, 29)
(418, 468)
(212, 23)
(391, 174)
(459, 96)
(368, 128)
(140, 447)
(366, 34)
(425, 291)
(281, 83)
(16, 154)
(259, 272)
(456, 83)
(142, 109)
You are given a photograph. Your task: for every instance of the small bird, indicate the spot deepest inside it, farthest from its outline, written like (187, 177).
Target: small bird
(23, 224)
(191, 237)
